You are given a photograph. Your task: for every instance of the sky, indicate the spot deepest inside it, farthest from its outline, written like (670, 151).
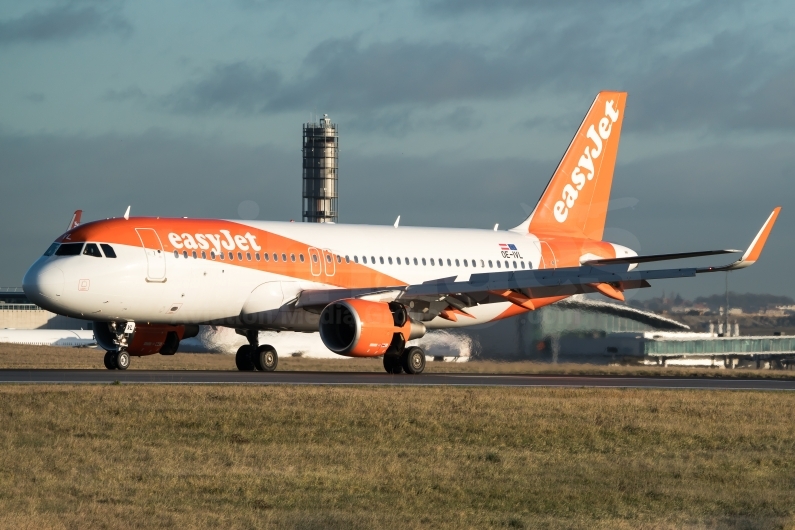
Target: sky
(450, 113)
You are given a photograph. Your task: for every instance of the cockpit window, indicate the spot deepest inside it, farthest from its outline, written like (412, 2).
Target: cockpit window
(92, 250)
(69, 249)
(51, 250)
(108, 250)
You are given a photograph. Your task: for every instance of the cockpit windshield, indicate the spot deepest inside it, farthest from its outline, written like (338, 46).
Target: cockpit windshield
(108, 250)
(51, 250)
(69, 249)
(92, 250)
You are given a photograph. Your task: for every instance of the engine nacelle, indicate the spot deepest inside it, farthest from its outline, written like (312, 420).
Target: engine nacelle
(360, 328)
(147, 339)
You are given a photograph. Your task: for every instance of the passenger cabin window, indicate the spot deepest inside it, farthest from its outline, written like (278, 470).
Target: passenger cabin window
(423, 261)
(389, 259)
(432, 263)
(204, 255)
(266, 257)
(398, 260)
(301, 257)
(490, 264)
(194, 254)
(231, 256)
(328, 258)
(356, 259)
(51, 250)
(292, 257)
(92, 250)
(416, 262)
(347, 259)
(275, 257)
(248, 256)
(284, 256)
(364, 259)
(69, 249)
(212, 254)
(185, 254)
(449, 263)
(499, 266)
(108, 250)
(339, 258)
(176, 254)
(466, 264)
(457, 264)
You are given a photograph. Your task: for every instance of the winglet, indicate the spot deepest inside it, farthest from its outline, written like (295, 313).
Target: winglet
(754, 251)
(75, 219)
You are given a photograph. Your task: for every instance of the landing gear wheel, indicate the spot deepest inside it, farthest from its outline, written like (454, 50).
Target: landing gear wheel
(265, 358)
(122, 360)
(243, 358)
(392, 364)
(110, 362)
(413, 360)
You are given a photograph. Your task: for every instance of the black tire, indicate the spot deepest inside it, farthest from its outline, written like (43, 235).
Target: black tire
(413, 360)
(171, 344)
(122, 359)
(265, 358)
(243, 359)
(392, 364)
(110, 362)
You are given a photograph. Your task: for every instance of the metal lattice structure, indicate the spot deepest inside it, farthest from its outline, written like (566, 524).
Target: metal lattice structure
(321, 153)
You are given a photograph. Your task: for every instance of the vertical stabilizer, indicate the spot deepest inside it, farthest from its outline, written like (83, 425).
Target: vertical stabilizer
(574, 202)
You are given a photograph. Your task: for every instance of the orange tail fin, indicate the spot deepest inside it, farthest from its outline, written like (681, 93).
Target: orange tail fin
(575, 200)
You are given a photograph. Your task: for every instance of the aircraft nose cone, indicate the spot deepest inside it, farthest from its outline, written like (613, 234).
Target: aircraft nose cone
(43, 282)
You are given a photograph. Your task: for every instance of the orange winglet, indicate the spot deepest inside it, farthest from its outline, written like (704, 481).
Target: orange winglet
(516, 298)
(609, 291)
(755, 250)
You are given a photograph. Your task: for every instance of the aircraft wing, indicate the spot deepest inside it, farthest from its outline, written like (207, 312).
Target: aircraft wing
(610, 277)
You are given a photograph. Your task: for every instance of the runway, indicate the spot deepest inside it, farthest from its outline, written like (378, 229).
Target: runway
(206, 377)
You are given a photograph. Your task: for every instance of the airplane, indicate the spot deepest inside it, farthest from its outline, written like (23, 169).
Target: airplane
(77, 338)
(148, 282)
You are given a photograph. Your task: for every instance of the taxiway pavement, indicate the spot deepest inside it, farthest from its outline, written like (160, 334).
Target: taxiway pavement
(202, 377)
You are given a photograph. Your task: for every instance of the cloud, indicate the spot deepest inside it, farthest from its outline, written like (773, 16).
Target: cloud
(132, 93)
(237, 87)
(64, 22)
(343, 75)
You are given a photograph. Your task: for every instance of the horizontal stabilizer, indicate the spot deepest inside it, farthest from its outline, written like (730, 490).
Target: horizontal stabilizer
(658, 257)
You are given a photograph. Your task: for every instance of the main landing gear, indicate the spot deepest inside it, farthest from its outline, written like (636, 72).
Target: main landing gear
(252, 356)
(411, 361)
(117, 360)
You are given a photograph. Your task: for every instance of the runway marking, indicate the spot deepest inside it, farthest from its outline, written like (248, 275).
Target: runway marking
(202, 377)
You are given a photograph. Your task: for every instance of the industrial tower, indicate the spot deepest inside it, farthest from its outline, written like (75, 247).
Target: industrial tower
(321, 148)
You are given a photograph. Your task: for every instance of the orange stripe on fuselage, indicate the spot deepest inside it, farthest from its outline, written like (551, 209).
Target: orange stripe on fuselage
(120, 231)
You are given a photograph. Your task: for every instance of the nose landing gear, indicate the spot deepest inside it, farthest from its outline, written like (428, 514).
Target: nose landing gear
(117, 360)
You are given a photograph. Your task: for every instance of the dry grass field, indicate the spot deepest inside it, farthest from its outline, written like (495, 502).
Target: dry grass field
(125, 456)
(32, 357)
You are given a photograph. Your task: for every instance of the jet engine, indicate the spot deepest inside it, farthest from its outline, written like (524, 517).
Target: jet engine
(360, 328)
(146, 339)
